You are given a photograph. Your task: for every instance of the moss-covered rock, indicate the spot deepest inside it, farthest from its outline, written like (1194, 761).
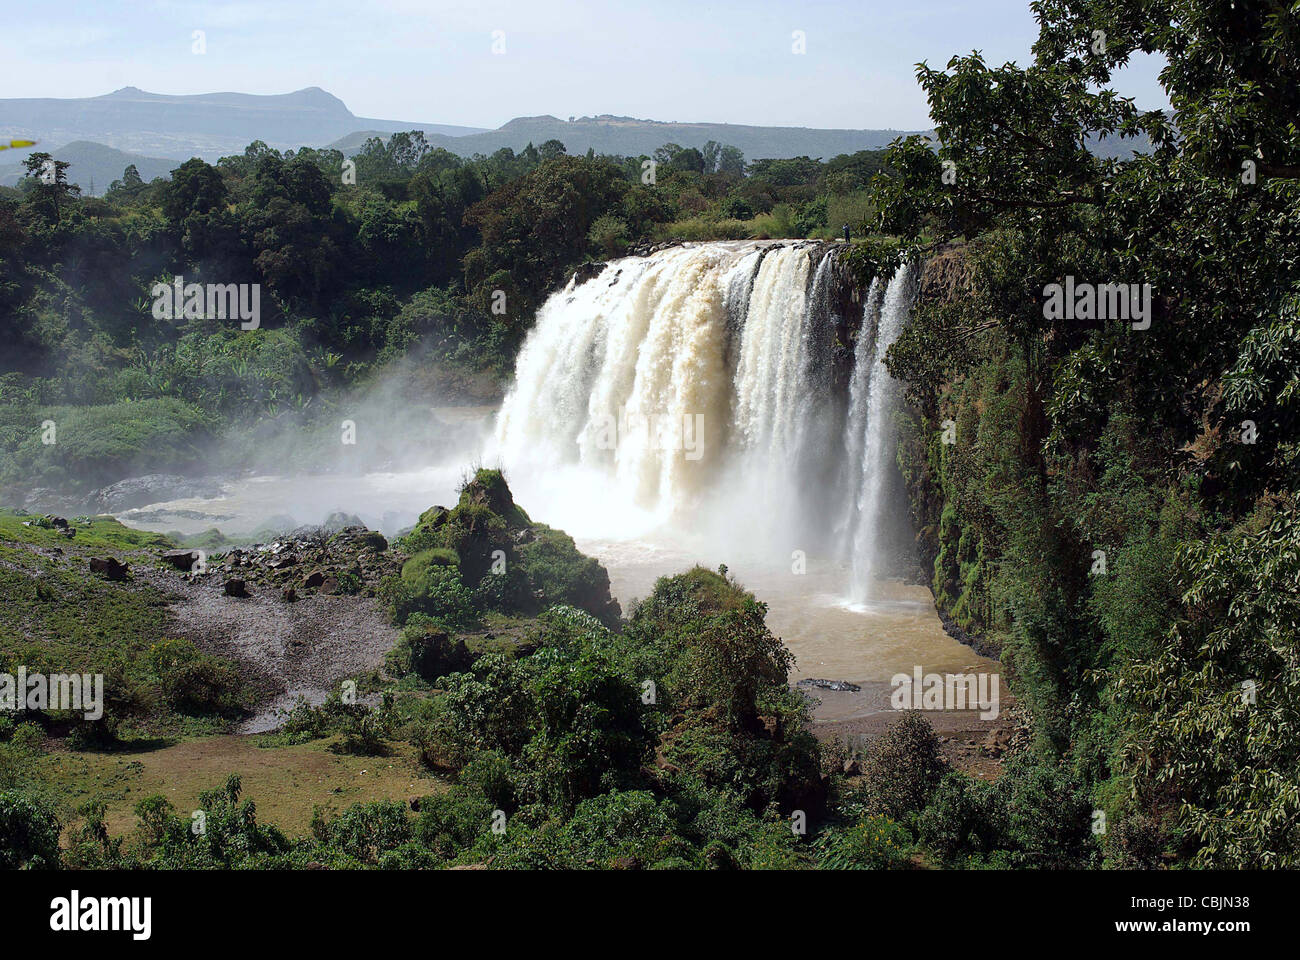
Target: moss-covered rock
(506, 561)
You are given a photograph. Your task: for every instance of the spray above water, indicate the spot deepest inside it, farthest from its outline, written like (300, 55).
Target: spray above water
(695, 392)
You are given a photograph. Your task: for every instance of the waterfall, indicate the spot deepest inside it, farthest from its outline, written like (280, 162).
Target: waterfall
(696, 389)
(855, 425)
(870, 433)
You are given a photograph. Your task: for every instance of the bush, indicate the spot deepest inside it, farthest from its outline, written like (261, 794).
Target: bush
(1050, 815)
(191, 681)
(101, 444)
(1135, 842)
(435, 590)
(965, 817)
(29, 738)
(609, 235)
(561, 574)
(29, 832)
(877, 843)
(427, 650)
(365, 831)
(902, 768)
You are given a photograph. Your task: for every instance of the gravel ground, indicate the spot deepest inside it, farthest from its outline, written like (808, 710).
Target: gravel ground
(284, 650)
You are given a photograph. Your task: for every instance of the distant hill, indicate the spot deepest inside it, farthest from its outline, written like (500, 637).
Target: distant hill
(95, 163)
(631, 137)
(154, 131)
(209, 125)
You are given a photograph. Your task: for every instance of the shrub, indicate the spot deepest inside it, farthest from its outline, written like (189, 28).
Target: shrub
(435, 590)
(1050, 815)
(1135, 842)
(191, 681)
(29, 832)
(365, 831)
(29, 738)
(561, 574)
(426, 649)
(965, 816)
(876, 843)
(902, 767)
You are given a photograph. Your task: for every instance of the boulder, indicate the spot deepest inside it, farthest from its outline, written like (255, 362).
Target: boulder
(289, 595)
(314, 579)
(236, 588)
(109, 567)
(182, 560)
(153, 488)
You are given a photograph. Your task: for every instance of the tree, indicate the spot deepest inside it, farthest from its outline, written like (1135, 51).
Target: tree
(195, 187)
(535, 227)
(50, 190)
(731, 161)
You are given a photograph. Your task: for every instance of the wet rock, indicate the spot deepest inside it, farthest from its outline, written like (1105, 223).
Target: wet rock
(314, 579)
(109, 567)
(338, 521)
(586, 271)
(153, 488)
(42, 499)
(182, 560)
(287, 560)
(236, 588)
(842, 686)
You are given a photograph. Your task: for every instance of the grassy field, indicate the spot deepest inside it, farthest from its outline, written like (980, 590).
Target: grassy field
(285, 783)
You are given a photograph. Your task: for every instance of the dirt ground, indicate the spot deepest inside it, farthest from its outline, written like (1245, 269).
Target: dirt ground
(971, 744)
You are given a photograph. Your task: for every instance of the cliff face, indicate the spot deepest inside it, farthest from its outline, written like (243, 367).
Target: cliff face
(935, 452)
(945, 275)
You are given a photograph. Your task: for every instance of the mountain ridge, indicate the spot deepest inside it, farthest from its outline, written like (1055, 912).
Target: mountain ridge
(216, 124)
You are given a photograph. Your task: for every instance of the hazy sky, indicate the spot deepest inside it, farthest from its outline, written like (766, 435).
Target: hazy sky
(432, 61)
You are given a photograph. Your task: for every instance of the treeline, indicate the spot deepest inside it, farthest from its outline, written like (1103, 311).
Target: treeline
(359, 259)
(1119, 507)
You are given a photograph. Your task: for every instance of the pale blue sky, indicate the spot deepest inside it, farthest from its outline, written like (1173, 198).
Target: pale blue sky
(686, 60)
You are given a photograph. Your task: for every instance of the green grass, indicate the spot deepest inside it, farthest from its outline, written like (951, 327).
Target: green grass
(60, 617)
(286, 783)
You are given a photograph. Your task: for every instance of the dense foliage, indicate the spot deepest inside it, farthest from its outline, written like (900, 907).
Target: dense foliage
(1119, 506)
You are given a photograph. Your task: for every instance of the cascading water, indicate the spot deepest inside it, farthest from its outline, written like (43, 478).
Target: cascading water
(696, 390)
(870, 433)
